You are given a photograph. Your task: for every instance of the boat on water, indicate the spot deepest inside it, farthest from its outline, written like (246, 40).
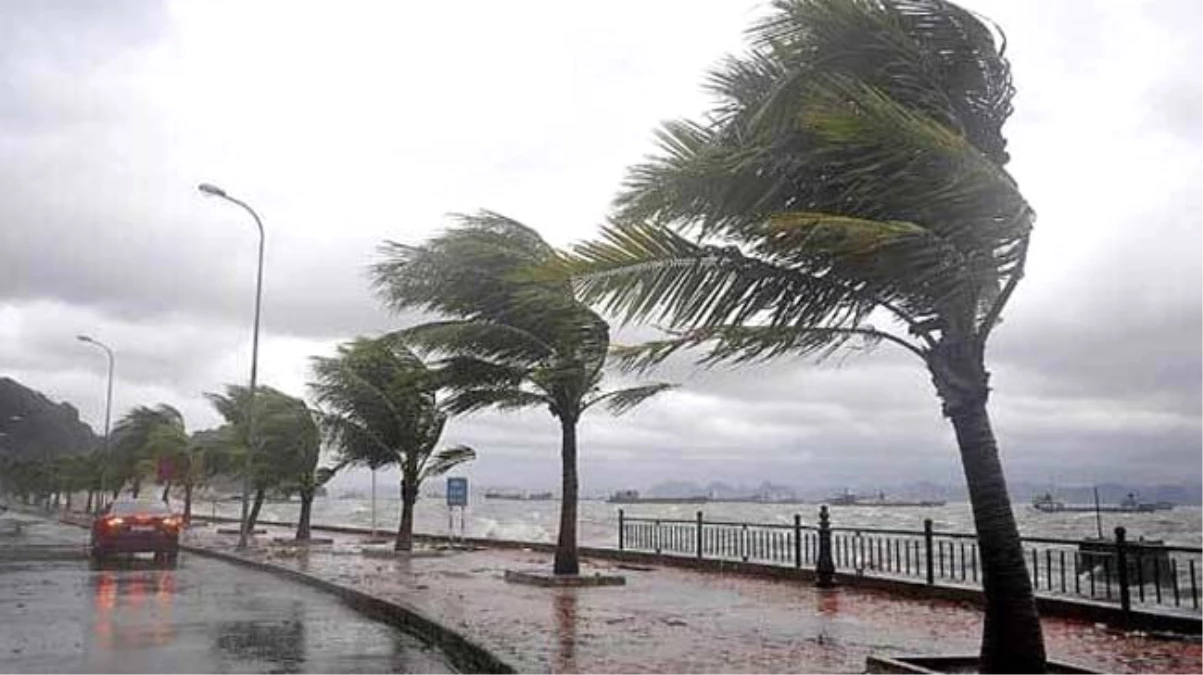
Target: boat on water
(850, 499)
(632, 497)
(1047, 503)
(520, 496)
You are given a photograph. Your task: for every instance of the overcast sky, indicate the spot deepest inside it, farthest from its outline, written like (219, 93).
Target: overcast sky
(346, 123)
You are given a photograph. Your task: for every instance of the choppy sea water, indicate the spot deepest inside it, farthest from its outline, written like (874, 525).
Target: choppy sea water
(598, 521)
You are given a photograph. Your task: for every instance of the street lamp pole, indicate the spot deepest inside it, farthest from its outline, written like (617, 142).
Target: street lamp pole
(108, 412)
(214, 191)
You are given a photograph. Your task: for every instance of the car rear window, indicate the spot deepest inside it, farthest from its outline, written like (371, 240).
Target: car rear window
(130, 508)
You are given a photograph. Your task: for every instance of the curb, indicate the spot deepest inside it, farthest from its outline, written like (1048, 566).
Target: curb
(465, 655)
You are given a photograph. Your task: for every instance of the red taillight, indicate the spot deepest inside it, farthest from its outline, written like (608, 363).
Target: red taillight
(113, 522)
(171, 523)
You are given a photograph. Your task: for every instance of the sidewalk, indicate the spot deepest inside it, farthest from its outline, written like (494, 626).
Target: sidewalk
(674, 620)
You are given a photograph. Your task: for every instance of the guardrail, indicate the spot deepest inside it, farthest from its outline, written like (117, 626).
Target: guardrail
(1148, 575)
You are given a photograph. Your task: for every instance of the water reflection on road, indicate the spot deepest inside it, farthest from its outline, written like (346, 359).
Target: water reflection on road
(57, 615)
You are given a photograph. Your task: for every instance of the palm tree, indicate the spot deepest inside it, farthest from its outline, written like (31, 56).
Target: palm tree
(285, 436)
(512, 339)
(381, 408)
(143, 439)
(207, 456)
(851, 171)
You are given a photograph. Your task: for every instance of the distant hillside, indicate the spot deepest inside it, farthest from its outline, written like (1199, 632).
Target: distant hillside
(32, 425)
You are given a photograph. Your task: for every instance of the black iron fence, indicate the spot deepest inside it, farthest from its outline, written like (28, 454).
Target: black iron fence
(1130, 573)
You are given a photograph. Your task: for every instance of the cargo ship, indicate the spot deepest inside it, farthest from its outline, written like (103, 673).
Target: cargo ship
(1048, 504)
(632, 497)
(850, 499)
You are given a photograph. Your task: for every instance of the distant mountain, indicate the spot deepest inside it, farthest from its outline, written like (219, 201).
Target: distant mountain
(33, 426)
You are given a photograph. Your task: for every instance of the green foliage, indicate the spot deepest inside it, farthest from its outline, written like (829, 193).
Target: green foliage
(141, 439)
(382, 409)
(287, 439)
(513, 337)
(853, 164)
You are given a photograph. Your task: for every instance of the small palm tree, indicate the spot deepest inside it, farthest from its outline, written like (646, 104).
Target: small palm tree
(206, 457)
(513, 339)
(850, 179)
(142, 439)
(380, 409)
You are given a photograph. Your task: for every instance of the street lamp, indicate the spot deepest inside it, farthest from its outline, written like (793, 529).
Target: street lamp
(108, 410)
(214, 191)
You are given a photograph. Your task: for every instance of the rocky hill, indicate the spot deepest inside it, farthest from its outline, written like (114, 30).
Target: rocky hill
(32, 425)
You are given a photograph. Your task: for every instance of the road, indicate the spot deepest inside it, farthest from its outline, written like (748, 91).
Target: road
(57, 615)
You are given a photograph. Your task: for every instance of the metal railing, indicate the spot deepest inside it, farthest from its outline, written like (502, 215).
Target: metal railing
(1131, 573)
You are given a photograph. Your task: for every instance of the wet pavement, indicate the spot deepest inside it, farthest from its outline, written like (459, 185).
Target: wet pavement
(675, 620)
(58, 615)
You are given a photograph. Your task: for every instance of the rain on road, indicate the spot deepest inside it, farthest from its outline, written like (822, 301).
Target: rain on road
(57, 615)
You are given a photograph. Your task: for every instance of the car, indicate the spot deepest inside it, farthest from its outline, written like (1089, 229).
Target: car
(128, 527)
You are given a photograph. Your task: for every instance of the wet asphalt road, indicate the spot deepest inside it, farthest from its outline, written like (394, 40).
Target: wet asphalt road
(57, 615)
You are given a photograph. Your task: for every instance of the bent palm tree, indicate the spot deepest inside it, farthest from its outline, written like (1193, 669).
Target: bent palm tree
(852, 170)
(141, 438)
(285, 436)
(513, 340)
(382, 409)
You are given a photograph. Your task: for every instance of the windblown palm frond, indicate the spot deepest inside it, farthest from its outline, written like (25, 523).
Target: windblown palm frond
(854, 162)
(619, 401)
(447, 459)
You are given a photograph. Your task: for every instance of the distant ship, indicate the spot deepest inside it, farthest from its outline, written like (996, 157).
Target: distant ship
(850, 499)
(632, 497)
(1130, 504)
(520, 496)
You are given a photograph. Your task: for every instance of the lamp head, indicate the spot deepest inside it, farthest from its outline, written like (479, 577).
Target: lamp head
(211, 190)
(83, 338)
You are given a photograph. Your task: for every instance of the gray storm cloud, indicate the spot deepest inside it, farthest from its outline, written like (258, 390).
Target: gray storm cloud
(348, 126)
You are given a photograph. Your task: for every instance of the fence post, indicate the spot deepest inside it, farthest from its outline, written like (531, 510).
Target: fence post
(797, 540)
(927, 543)
(1121, 561)
(699, 535)
(824, 567)
(621, 531)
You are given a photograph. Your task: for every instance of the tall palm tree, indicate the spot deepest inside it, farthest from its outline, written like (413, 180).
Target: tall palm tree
(381, 409)
(512, 339)
(851, 171)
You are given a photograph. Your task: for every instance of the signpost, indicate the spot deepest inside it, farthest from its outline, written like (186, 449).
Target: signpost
(457, 496)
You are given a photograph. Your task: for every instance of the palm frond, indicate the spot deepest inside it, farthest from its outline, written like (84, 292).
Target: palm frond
(744, 344)
(503, 398)
(647, 272)
(446, 459)
(621, 400)
(501, 342)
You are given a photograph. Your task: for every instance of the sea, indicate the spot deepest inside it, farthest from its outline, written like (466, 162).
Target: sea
(537, 521)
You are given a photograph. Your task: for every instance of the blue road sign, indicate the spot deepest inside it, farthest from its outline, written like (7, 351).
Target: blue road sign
(457, 492)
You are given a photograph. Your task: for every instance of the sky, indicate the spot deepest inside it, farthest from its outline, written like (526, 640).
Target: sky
(348, 123)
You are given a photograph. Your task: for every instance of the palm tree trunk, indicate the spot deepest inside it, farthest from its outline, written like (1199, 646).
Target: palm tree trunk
(1012, 641)
(567, 560)
(166, 490)
(188, 503)
(88, 506)
(258, 504)
(405, 531)
(136, 488)
(303, 520)
(68, 504)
